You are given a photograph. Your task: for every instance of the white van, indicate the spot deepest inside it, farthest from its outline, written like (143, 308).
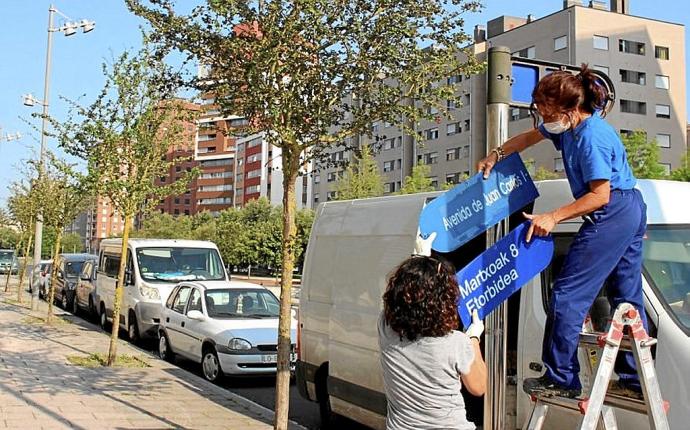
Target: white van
(154, 268)
(355, 244)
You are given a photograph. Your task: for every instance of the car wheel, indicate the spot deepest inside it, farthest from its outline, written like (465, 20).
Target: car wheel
(103, 318)
(75, 306)
(92, 309)
(133, 329)
(63, 300)
(164, 351)
(210, 366)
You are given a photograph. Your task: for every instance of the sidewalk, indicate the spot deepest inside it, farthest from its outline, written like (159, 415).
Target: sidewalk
(39, 389)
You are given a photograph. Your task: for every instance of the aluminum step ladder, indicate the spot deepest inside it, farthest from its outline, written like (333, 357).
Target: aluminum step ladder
(598, 408)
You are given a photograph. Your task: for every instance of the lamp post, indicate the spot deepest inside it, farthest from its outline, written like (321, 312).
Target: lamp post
(68, 29)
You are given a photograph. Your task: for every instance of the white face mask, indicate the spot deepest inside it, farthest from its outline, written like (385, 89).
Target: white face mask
(557, 127)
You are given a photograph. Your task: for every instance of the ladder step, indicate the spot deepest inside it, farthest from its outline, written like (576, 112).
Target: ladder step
(593, 339)
(613, 400)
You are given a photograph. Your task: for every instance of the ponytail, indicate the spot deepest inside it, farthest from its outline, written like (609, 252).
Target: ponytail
(595, 97)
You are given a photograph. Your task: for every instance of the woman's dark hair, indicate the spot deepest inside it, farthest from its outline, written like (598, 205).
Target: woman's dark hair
(421, 299)
(563, 91)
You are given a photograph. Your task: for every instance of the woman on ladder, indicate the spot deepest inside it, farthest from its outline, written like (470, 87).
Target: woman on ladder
(608, 246)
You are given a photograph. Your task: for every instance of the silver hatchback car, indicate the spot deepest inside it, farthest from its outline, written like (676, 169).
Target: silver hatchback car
(231, 328)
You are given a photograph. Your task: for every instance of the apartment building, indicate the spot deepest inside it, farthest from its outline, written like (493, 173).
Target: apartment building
(258, 173)
(644, 57)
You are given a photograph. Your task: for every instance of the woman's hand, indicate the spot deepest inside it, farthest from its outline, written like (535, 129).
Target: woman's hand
(540, 224)
(486, 164)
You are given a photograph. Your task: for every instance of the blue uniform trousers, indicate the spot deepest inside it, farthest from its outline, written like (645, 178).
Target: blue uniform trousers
(607, 249)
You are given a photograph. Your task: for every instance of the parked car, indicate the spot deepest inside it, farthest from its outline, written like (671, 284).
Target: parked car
(8, 261)
(85, 296)
(39, 274)
(231, 328)
(68, 269)
(154, 268)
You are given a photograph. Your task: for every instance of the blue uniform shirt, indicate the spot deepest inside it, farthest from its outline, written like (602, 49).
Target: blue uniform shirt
(591, 151)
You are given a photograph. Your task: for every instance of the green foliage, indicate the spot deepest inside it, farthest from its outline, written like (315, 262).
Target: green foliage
(643, 155)
(72, 242)
(543, 174)
(682, 173)
(419, 180)
(361, 179)
(9, 237)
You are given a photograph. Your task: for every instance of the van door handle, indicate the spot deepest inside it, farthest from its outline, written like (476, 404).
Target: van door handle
(167, 319)
(182, 323)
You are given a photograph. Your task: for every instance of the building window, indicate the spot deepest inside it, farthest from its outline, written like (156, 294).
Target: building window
(560, 43)
(389, 166)
(631, 47)
(316, 197)
(667, 168)
(601, 42)
(177, 201)
(332, 176)
(452, 154)
(661, 52)
(662, 82)
(519, 113)
(317, 179)
(633, 77)
(453, 128)
(254, 173)
(186, 201)
(389, 187)
(431, 134)
(528, 52)
(602, 69)
(176, 212)
(632, 106)
(332, 195)
(186, 211)
(253, 189)
(663, 140)
(558, 164)
(467, 125)
(663, 111)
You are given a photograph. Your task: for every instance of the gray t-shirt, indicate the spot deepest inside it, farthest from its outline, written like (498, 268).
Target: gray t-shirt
(422, 379)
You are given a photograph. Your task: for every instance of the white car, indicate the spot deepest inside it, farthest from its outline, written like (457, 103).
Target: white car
(230, 327)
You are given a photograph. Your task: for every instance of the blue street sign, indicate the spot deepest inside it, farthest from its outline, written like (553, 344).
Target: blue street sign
(477, 204)
(500, 271)
(525, 78)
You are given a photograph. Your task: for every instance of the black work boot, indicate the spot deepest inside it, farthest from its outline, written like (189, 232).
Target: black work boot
(545, 385)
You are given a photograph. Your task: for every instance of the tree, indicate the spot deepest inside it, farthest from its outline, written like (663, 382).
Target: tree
(682, 173)
(361, 179)
(310, 74)
(72, 242)
(643, 155)
(69, 195)
(419, 181)
(124, 135)
(165, 226)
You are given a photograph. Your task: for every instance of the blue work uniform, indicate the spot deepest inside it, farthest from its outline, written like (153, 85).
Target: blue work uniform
(607, 248)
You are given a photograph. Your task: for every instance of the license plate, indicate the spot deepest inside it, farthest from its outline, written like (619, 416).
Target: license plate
(273, 358)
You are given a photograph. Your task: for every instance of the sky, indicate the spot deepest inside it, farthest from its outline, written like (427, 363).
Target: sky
(76, 60)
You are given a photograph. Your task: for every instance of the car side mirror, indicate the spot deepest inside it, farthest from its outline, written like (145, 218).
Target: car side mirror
(128, 277)
(196, 315)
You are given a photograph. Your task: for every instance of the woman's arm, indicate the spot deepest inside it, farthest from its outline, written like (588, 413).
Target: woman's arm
(517, 143)
(598, 196)
(475, 380)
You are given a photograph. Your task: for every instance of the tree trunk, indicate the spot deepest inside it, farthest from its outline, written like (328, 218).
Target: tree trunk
(23, 271)
(119, 290)
(290, 170)
(17, 247)
(53, 275)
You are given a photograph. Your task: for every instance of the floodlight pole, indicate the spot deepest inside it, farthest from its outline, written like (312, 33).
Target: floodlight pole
(495, 339)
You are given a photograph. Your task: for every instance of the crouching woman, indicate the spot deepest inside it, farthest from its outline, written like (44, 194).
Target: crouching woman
(425, 359)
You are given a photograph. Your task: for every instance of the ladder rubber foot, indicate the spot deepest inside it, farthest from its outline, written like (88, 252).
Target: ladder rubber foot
(631, 313)
(583, 405)
(667, 406)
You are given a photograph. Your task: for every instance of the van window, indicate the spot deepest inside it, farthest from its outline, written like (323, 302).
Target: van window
(111, 265)
(87, 270)
(181, 299)
(170, 264)
(667, 268)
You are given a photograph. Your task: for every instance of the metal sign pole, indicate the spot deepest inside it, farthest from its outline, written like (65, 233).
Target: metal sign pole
(495, 340)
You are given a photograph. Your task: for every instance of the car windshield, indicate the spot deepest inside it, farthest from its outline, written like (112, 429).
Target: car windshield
(241, 303)
(667, 267)
(6, 255)
(170, 264)
(73, 268)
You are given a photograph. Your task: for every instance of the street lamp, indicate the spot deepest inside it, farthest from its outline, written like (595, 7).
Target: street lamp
(68, 29)
(9, 136)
